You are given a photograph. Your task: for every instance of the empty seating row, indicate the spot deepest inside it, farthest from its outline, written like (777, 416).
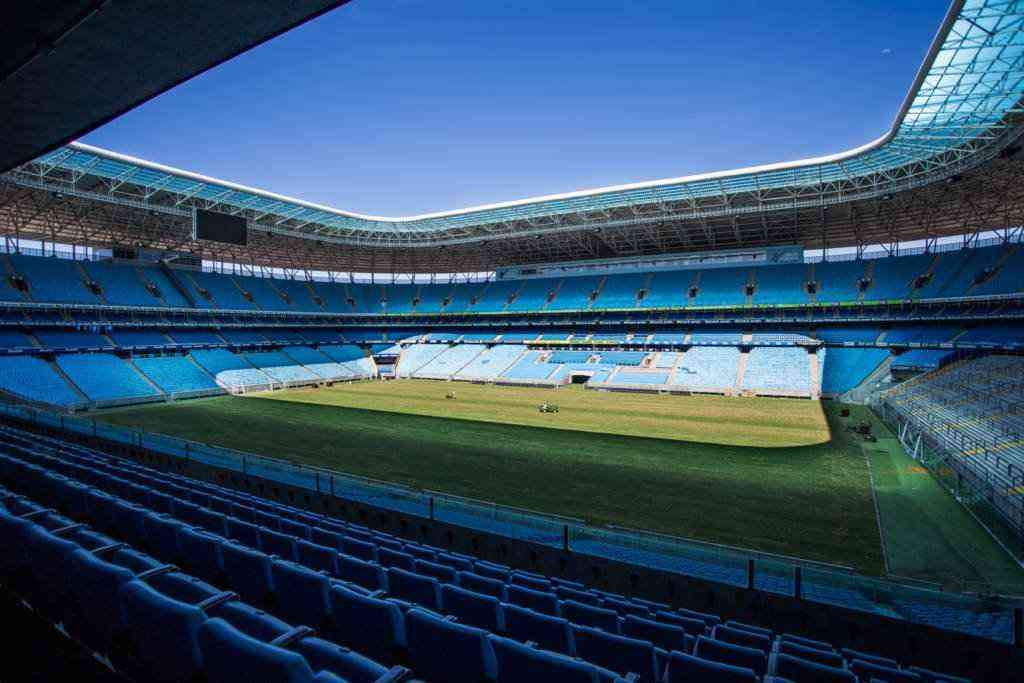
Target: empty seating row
(625, 636)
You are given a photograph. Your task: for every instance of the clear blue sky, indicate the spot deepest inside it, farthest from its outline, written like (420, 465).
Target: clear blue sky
(397, 107)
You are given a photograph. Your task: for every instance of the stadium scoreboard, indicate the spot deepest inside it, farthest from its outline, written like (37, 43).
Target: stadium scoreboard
(219, 227)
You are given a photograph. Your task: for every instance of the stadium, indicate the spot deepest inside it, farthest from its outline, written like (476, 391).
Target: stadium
(763, 424)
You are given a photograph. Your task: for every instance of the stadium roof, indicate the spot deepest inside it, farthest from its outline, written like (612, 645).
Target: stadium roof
(959, 121)
(68, 66)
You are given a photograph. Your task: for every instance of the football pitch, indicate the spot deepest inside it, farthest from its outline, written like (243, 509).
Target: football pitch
(776, 475)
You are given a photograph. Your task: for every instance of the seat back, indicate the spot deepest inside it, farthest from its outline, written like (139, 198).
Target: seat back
(684, 668)
(442, 650)
(620, 654)
(805, 671)
(546, 603)
(424, 591)
(586, 615)
(301, 593)
(230, 655)
(666, 636)
(162, 631)
(550, 633)
(472, 609)
(517, 662)
(730, 653)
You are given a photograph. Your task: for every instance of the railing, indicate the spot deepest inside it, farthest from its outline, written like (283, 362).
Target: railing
(987, 616)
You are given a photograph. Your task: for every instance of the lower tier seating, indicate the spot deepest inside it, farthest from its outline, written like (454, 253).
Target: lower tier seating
(251, 580)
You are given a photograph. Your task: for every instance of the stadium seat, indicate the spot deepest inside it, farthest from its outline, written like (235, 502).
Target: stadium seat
(805, 671)
(346, 664)
(620, 654)
(472, 609)
(741, 637)
(482, 584)
(372, 626)
(517, 662)
(684, 668)
(442, 650)
(728, 653)
(362, 573)
(866, 670)
(813, 654)
(442, 573)
(201, 552)
(302, 594)
(251, 621)
(278, 544)
(548, 632)
(162, 633)
(694, 627)
(248, 571)
(318, 557)
(666, 636)
(231, 656)
(546, 603)
(424, 591)
(93, 613)
(389, 558)
(585, 615)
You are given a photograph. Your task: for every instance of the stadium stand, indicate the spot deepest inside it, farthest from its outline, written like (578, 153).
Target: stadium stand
(103, 377)
(176, 375)
(224, 607)
(778, 371)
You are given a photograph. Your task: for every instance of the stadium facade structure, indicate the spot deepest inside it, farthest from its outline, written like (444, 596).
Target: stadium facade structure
(948, 165)
(694, 284)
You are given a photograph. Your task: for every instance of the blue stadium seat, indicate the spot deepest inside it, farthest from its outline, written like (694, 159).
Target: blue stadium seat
(694, 627)
(248, 571)
(866, 670)
(244, 533)
(620, 654)
(517, 662)
(729, 653)
(550, 633)
(229, 655)
(666, 636)
(684, 668)
(546, 603)
(804, 671)
(929, 676)
(318, 557)
(250, 620)
(577, 595)
(369, 575)
(277, 543)
(162, 632)
(442, 650)
(482, 584)
(326, 537)
(202, 553)
(492, 570)
(424, 591)
(388, 557)
(813, 654)
(348, 665)
(302, 594)
(93, 615)
(372, 626)
(585, 615)
(533, 581)
(740, 637)
(441, 572)
(472, 609)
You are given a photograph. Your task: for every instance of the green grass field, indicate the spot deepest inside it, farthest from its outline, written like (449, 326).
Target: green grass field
(776, 475)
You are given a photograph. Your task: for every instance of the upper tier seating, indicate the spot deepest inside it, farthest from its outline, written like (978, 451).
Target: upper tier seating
(120, 284)
(471, 624)
(183, 336)
(574, 294)
(264, 293)
(53, 338)
(977, 272)
(139, 338)
(781, 284)
(53, 280)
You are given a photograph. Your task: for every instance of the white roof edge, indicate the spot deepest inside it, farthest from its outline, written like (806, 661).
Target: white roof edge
(951, 15)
